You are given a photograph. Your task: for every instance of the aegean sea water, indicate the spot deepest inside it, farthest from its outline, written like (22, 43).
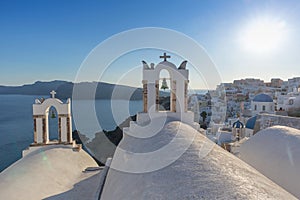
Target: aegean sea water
(16, 123)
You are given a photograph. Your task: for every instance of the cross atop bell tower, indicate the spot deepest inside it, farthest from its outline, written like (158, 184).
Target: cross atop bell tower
(53, 93)
(165, 57)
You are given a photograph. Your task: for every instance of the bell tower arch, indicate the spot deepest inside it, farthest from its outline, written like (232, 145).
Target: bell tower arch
(41, 122)
(178, 80)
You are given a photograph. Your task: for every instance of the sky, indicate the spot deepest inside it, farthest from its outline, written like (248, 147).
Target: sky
(49, 39)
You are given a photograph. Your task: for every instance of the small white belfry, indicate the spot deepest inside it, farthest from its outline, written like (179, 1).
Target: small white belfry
(178, 79)
(41, 123)
(238, 130)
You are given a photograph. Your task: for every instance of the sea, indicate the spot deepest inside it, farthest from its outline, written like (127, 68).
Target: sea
(16, 122)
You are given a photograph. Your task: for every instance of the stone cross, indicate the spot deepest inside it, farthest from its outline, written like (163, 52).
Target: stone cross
(165, 57)
(53, 93)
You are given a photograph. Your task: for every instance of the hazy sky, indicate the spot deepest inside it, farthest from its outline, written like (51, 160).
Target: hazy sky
(47, 40)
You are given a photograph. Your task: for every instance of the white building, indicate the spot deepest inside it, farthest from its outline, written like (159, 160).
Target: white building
(293, 83)
(218, 110)
(262, 103)
(290, 101)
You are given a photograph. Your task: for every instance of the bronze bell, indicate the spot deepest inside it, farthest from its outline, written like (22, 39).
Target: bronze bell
(164, 84)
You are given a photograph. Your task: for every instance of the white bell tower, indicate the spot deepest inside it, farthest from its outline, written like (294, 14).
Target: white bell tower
(178, 78)
(41, 123)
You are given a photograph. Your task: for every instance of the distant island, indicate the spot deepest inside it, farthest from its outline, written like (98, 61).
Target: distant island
(64, 90)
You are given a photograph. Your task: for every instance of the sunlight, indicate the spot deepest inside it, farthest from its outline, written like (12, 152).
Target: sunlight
(263, 35)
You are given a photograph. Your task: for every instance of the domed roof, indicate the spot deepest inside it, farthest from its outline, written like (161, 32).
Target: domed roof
(262, 98)
(238, 124)
(274, 151)
(63, 169)
(168, 64)
(251, 122)
(208, 169)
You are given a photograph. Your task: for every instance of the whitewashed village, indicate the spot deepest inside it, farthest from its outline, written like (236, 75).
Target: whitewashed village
(248, 102)
(240, 141)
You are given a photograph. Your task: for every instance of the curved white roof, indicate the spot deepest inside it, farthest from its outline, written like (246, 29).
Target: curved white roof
(168, 64)
(52, 171)
(203, 171)
(275, 152)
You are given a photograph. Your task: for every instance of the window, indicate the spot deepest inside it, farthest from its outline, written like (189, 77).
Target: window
(255, 107)
(291, 101)
(263, 107)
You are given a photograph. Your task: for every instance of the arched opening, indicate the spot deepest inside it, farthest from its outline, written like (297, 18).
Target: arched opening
(164, 91)
(53, 124)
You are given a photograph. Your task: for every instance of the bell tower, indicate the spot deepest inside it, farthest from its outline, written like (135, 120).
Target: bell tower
(178, 79)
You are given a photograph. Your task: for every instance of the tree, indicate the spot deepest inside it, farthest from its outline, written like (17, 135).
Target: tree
(203, 114)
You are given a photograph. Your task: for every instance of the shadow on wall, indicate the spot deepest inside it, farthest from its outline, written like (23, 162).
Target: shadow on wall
(85, 189)
(265, 120)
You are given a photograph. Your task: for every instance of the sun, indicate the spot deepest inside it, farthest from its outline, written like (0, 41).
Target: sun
(263, 35)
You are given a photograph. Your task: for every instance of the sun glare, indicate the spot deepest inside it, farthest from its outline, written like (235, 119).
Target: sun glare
(263, 35)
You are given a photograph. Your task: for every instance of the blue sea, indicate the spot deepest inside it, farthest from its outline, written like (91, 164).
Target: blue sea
(16, 123)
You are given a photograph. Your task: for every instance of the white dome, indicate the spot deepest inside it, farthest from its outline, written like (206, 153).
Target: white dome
(50, 172)
(194, 175)
(275, 152)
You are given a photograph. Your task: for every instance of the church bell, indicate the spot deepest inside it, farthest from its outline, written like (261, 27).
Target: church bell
(164, 84)
(53, 114)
